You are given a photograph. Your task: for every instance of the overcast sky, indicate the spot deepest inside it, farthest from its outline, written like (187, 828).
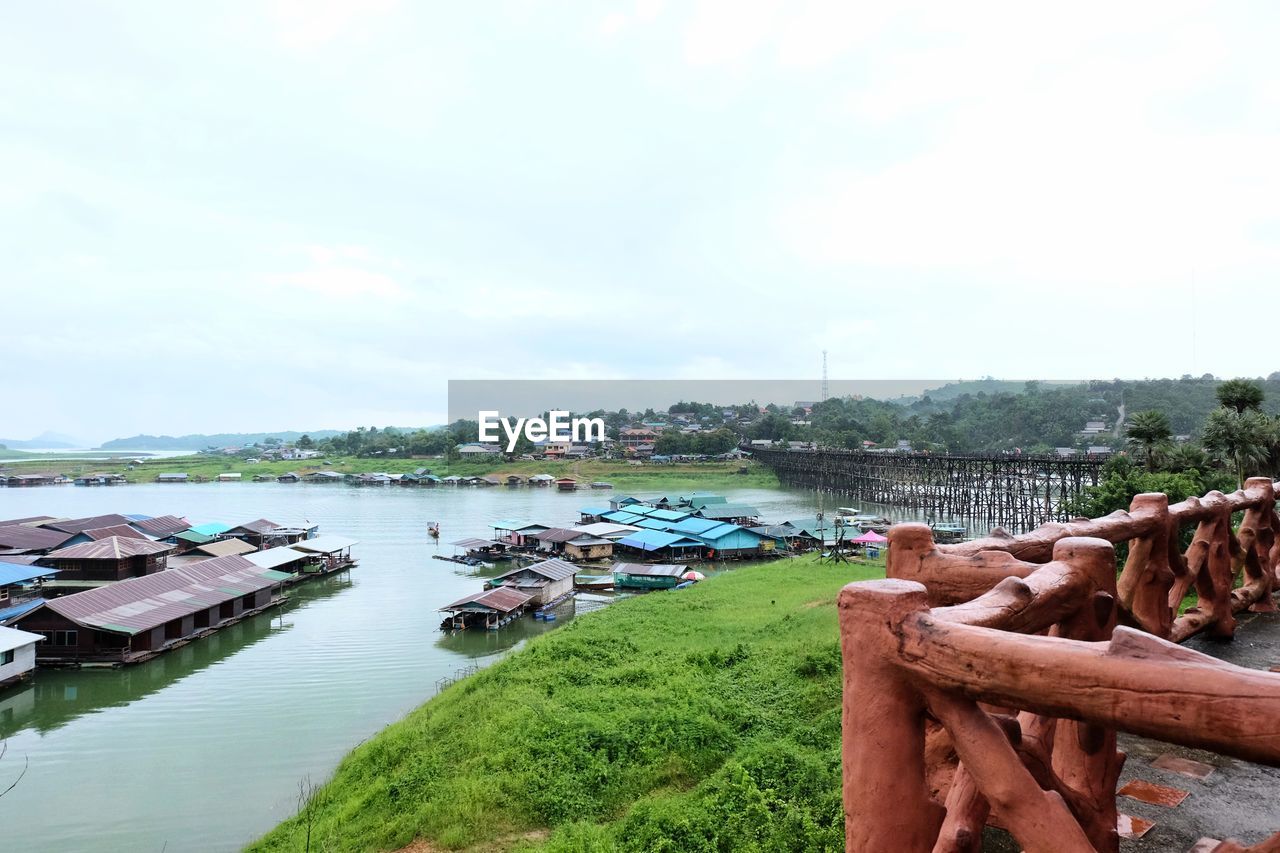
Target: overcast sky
(312, 213)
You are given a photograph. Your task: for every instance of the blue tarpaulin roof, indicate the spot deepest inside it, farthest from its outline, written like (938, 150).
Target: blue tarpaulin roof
(621, 517)
(594, 510)
(654, 540)
(14, 573)
(653, 524)
(213, 528)
(694, 526)
(17, 610)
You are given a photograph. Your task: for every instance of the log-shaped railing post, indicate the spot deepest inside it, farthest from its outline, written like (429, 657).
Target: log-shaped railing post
(1257, 538)
(1147, 577)
(886, 795)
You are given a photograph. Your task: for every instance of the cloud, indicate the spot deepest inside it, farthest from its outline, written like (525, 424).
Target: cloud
(306, 24)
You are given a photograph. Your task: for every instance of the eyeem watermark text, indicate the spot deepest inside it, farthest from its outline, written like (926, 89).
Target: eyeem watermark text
(558, 427)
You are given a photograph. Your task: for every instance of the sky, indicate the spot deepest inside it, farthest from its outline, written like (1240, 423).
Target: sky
(307, 214)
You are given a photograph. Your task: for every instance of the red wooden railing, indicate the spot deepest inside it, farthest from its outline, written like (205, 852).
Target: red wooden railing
(985, 681)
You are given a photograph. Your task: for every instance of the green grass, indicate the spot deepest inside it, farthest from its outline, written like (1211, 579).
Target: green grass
(624, 476)
(703, 719)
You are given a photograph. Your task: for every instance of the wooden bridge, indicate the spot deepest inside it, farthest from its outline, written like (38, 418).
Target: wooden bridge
(1015, 492)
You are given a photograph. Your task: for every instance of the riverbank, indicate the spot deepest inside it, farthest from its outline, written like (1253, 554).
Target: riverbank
(707, 718)
(624, 475)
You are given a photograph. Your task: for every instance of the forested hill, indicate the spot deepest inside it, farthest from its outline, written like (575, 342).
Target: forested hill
(201, 441)
(1037, 417)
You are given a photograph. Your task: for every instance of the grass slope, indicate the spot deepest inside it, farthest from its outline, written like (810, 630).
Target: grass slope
(704, 719)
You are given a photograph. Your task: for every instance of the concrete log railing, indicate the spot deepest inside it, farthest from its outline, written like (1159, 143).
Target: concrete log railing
(985, 682)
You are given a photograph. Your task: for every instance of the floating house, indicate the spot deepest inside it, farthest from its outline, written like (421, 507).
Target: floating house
(623, 501)
(729, 541)
(254, 532)
(17, 480)
(17, 655)
(541, 480)
(517, 532)
(545, 582)
(515, 480)
(290, 477)
(96, 534)
(488, 550)
(490, 609)
(20, 586)
(573, 543)
(286, 559)
(662, 544)
(323, 477)
(172, 478)
(329, 553)
(100, 480)
(592, 514)
(648, 575)
(161, 527)
(229, 477)
(112, 559)
(566, 484)
(136, 619)
(731, 513)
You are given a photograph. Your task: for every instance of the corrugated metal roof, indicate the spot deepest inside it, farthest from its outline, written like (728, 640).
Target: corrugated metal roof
(122, 530)
(38, 519)
(13, 573)
(653, 524)
(557, 534)
(273, 557)
(502, 599)
(324, 544)
(225, 548)
(259, 526)
(194, 537)
(728, 511)
(665, 570)
(694, 526)
(162, 526)
(667, 514)
(111, 548)
(140, 604)
(79, 525)
(516, 525)
(621, 516)
(475, 543)
(553, 570)
(606, 529)
(32, 538)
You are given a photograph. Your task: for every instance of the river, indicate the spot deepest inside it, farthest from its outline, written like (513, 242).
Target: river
(203, 749)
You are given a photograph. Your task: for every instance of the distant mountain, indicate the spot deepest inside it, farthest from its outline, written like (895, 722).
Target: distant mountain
(201, 441)
(47, 440)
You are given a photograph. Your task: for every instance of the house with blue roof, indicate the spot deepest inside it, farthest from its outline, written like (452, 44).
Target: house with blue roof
(732, 541)
(20, 581)
(660, 543)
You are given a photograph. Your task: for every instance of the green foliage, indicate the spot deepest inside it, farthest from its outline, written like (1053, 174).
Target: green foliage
(1148, 431)
(1122, 480)
(1241, 439)
(1241, 395)
(704, 719)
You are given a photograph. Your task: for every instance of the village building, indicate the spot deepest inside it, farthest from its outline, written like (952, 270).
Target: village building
(254, 532)
(290, 477)
(490, 609)
(748, 516)
(20, 586)
(633, 437)
(79, 525)
(607, 530)
(545, 582)
(162, 527)
(14, 481)
(328, 553)
(224, 548)
(648, 575)
(516, 531)
(115, 558)
(323, 477)
(172, 478)
(96, 534)
(566, 484)
(100, 480)
(17, 655)
(137, 618)
(541, 480)
(660, 544)
(229, 477)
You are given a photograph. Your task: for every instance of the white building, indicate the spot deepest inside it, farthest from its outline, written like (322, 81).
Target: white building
(17, 654)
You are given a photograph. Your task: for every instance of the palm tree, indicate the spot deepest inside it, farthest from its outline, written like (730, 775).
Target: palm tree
(1184, 457)
(1149, 430)
(1241, 439)
(1240, 394)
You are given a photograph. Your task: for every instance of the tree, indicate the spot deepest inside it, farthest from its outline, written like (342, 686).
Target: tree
(306, 442)
(1149, 430)
(1240, 394)
(1241, 439)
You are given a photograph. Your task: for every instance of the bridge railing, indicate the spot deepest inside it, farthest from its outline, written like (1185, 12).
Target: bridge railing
(985, 682)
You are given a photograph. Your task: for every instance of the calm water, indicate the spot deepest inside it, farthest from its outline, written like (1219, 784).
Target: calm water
(203, 748)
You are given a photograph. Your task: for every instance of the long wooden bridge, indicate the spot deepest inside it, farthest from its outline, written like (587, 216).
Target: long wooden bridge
(1012, 491)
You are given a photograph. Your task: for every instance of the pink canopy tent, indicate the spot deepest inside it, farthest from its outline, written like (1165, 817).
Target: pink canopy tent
(870, 538)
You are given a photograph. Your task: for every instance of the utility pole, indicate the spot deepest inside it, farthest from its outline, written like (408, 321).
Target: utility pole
(824, 376)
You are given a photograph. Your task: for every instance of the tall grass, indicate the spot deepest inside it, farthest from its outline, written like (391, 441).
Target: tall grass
(699, 719)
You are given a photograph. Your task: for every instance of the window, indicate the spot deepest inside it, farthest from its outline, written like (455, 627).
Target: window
(60, 638)
(6, 657)
(4, 593)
